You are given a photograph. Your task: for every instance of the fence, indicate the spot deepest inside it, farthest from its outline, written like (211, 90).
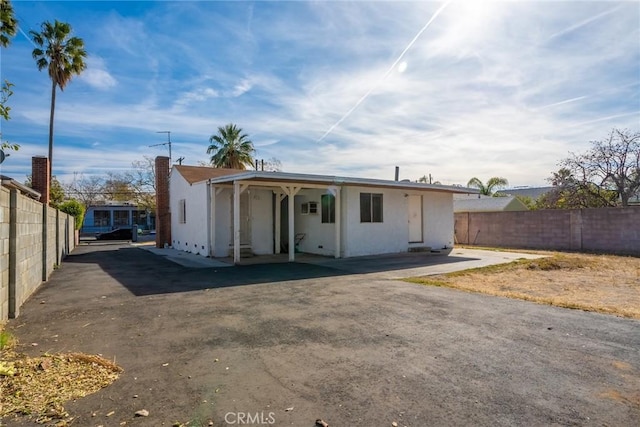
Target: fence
(609, 230)
(34, 238)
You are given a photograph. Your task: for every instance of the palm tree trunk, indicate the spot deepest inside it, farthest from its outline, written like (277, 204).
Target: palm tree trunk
(53, 108)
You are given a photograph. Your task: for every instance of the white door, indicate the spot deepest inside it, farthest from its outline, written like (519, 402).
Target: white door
(245, 219)
(415, 219)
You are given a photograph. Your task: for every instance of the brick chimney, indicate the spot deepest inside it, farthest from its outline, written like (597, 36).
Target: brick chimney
(163, 215)
(40, 177)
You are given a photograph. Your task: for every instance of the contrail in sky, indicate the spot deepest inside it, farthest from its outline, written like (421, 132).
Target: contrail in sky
(366, 95)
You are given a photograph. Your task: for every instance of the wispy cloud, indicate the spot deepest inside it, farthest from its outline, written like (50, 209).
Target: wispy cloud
(96, 74)
(490, 88)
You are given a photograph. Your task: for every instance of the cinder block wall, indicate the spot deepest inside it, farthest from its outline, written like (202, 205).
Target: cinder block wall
(4, 253)
(613, 230)
(23, 263)
(52, 258)
(28, 256)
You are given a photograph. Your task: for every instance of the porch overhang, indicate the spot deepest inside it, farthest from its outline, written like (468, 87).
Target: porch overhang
(289, 184)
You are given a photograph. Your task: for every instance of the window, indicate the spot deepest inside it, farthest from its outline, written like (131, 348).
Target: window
(101, 218)
(370, 207)
(328, 202)
(120, 218)
(182, 211)
(309, 208)
(139, 217)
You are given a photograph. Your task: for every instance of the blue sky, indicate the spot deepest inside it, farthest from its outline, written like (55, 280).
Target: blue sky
(454, 90)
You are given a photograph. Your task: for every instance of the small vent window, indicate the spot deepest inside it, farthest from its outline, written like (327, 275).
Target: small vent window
(182, 211)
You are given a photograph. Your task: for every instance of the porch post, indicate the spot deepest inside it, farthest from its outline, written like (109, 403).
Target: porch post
(236, 222)
(337, 221)
(278, 218)
(292, 248)
(212, 220)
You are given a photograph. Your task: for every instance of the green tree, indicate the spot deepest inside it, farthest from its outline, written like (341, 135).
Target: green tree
(8, 28)
(74, 208)
(5, 93)
(571, 193)
(230, 148)
(63, 57)
(56, 191)
(118, 187)
(489, 188)
(8, 22)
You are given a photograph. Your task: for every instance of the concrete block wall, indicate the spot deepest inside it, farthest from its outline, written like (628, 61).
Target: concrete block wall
(4, 254)
(28, 244)
(52, 258)
(28, 255)
(613, 230)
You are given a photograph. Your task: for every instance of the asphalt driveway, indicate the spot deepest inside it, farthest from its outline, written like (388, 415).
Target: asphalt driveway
(286, 344)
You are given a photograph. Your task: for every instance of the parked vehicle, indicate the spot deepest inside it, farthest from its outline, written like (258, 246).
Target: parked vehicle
(117, 234)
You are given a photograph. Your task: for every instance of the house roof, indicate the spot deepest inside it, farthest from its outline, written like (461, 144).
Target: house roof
(533, 192)
(193, 174)
(296, 178)
(488, 204)
(12, 183)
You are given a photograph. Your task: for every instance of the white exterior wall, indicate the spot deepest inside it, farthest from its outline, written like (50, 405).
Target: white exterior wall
(438, 220)
(261, 206)
(261, 213)
(192, 235)
(223, 220)
(389, 236)
(357, 239)
(319, 238)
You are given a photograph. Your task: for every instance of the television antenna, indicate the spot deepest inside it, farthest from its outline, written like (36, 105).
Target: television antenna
(168, 132)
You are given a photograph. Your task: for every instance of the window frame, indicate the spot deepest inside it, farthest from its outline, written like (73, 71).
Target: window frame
(371, 208)
(328, 215)
(182, 211)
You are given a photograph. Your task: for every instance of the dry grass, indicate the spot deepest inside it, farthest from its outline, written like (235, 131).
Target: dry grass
(602, 283)
(39, 386)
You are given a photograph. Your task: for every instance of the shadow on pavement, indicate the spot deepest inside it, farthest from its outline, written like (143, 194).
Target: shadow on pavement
(144, 273)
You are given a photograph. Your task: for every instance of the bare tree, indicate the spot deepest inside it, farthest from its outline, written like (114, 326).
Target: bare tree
(271, 165)
(88, 190)
(611, 164)
(142, 180)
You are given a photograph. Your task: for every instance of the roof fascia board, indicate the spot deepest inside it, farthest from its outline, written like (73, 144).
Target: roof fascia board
(322, 181)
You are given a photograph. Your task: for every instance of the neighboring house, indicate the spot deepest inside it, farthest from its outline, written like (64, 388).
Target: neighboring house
(108, 216)
(275, 212)
(532, 192)
(11, 183)
(479, 203)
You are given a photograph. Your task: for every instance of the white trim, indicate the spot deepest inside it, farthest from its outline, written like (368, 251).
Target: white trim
(275, 179)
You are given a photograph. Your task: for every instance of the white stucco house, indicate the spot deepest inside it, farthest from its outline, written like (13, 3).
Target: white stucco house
(226, 212)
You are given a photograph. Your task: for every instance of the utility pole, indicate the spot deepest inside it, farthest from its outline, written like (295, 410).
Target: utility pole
(168, 132)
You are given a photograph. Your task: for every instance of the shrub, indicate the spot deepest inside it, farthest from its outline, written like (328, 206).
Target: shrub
(74, 208)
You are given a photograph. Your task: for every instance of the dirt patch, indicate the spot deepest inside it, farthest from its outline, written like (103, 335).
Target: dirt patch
(40, 386)
(602, 283)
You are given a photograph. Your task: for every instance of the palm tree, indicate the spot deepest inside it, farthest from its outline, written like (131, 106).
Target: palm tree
(491, 185)
(8, 22)
(62, 56)
(231, 148)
